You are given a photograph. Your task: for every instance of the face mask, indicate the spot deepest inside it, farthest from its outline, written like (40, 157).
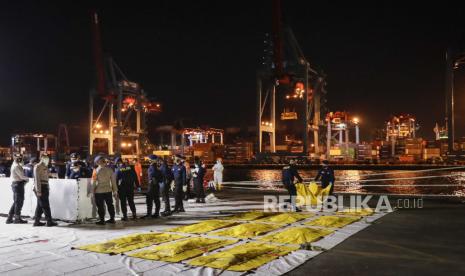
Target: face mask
(45, 161)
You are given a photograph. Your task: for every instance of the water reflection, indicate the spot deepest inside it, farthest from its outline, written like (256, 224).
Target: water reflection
(351, 182)
(363, 181)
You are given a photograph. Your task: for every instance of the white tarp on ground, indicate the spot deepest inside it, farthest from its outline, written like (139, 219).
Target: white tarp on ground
(25, 250)
(68, 198)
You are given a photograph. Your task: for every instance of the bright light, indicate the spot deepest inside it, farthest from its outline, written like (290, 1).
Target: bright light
(95, 131)
(123, 145)
(98, 126)
(107, 131)
(287, 97)
(129, 145)
(158, 105)
(355, 120)
(101, 131)
(271, 124)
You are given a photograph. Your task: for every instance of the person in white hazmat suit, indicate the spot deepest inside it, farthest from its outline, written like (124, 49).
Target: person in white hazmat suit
(218, 174)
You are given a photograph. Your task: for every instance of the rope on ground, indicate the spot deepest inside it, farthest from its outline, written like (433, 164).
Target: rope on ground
(414, 171)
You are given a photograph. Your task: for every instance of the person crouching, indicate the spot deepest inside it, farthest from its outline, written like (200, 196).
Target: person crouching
(104, 185)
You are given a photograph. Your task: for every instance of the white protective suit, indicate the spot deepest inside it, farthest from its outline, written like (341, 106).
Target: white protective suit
(218, 174)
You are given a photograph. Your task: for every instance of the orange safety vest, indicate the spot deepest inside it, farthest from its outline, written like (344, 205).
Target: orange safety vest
(138, 169)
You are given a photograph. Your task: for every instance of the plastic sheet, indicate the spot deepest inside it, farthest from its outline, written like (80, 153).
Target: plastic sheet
(248, 216)
(297, 235)
(286, 218)
(311, 194)
(203, 227)
(247, 230)
(243, 257)
(68, 198)
(356, 212)
(182, 250)
(333, 221)
(129, 243)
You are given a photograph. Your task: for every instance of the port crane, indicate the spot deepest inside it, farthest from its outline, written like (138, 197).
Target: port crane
(117, 107)
(287, 81)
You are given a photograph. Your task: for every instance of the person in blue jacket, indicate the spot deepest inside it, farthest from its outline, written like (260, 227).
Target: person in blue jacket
(153, 190)
(75, 168)
(167, 177)
(326, 174)
(127, 181)
(289, 174)
(179, 176)
(29, 167)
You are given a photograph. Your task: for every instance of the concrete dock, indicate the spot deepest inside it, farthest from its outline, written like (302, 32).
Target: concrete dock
(426, 241)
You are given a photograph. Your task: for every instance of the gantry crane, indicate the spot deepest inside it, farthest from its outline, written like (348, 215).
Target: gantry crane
(115, 130)
(288, 82)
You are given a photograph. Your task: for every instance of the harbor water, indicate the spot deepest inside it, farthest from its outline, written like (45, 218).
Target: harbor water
(440, 182)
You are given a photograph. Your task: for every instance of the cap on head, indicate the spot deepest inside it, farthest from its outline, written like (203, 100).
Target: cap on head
(18, 157)
(74, 155)
(98, 159)
(152, 158)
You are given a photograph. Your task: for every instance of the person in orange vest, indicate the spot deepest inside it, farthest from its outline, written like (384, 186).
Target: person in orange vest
(138, 169)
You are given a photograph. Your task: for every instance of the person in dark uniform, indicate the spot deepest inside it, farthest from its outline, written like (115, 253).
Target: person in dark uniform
(127, 181)
(167, 177)
(153, 190)
(326, 174)
(76, 168)
(29, 167)
(289, 174)
(18, 179)
(179, 176)
(198, 173)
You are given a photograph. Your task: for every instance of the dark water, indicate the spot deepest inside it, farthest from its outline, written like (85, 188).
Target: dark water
(430, 182)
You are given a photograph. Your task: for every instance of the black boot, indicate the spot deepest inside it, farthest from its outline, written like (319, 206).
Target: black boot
(51, 223)
(166, 213)
(9, 220)
(18, 220)
(38, 223)
(134, 216)
(100, 222)
(124, 218)
(111, 221)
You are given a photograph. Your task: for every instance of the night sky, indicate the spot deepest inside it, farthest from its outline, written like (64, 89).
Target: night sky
(200, 58)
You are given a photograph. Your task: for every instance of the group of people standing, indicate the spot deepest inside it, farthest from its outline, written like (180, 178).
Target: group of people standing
(161, 179)
(116, 180)
(41, 189)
